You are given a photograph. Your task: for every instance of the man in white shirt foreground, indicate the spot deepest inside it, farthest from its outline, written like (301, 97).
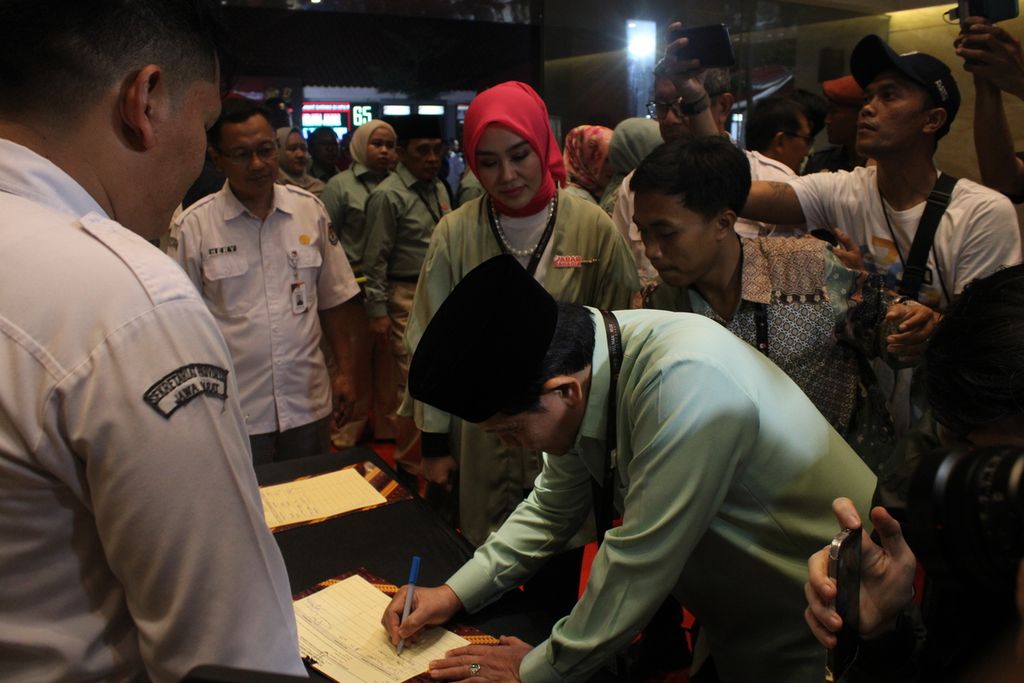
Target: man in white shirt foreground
(132, 541)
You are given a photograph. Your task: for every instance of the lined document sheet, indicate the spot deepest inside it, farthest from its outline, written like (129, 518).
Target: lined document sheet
(339, 627)
(324, 495)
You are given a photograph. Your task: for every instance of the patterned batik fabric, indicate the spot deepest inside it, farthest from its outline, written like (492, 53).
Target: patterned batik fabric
(823, 321)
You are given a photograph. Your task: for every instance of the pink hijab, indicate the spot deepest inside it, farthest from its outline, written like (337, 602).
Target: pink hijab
(586, 156)
(517, 107)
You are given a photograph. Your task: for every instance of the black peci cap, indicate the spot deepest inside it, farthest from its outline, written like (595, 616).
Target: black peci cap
(486, 344)
(416, 127)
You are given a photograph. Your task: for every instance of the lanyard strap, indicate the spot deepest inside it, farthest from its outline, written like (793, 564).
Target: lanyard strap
(437, 200)
(761, 325)
(363, 182)
(538, 250)
(602, 493)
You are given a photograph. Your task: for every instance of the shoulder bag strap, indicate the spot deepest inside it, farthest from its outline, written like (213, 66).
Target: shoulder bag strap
(917, 261)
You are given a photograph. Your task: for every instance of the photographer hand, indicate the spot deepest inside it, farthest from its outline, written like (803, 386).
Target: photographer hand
(992, 55)
(847, 251)
(915, 324)
(685, 75)
(886, 578)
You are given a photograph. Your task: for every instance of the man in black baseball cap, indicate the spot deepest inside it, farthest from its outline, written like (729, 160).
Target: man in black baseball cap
(910, 101)
(873, 57)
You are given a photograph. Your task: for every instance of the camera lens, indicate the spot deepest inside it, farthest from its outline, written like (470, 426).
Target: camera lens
(965, 517)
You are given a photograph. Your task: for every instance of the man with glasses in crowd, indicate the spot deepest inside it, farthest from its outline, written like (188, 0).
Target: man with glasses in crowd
(778, 140)
(273, 274)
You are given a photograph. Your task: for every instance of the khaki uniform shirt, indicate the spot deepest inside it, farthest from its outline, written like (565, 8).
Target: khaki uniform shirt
(345, 199)
(401, 214)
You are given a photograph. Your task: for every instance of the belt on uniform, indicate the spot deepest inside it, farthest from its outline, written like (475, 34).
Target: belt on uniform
(408, 279)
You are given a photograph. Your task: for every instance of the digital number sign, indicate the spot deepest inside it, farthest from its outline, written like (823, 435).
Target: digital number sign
(334, 115)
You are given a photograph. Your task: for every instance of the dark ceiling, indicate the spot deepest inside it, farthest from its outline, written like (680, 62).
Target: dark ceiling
(416, 55)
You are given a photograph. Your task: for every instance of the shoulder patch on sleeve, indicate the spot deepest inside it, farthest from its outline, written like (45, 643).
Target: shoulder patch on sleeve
(181, 386)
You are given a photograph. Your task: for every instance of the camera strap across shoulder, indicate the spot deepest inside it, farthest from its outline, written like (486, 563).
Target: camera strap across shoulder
(604, 503)
(916, 265)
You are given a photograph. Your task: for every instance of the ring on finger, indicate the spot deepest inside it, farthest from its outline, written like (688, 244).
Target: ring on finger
(474, 669)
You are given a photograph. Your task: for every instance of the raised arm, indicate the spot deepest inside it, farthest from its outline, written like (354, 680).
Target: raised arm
(773, 202)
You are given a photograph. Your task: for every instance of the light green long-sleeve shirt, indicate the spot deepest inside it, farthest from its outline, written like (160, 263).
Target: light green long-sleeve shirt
(493, 480)
(345, 198)
(725, 474)
(399, 224)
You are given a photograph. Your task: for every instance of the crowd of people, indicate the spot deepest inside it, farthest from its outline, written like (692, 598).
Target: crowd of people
(734, 351)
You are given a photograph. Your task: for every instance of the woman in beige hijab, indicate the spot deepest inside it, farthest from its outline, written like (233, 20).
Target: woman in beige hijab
(293, 160)
(373, 156)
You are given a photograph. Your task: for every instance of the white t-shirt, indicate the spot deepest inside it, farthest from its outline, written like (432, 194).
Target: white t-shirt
(763, 168)
(977, 235)
(132, 539)
(264, 282)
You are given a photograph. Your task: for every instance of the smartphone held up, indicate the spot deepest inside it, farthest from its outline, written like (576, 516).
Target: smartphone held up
(710, 44)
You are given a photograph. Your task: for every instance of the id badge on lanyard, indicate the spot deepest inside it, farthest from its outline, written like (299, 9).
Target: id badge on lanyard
(300, 302)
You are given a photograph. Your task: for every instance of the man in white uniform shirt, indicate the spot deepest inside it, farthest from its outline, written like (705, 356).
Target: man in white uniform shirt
(132, 540)
(271, 270)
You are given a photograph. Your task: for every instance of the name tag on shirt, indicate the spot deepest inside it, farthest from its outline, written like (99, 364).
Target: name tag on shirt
(571, 261)
(300, 303)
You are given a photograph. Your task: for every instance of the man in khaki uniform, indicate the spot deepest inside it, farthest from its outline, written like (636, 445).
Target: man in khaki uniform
(401, 214)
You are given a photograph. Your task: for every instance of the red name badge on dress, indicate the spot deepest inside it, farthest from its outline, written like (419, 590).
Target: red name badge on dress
(567, 261)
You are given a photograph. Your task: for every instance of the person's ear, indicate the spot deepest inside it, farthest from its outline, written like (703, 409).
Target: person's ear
(723, 107)
(724, 223)
(936, 120)
(141, 98)
(566, 387)
(216, 157)
(778, 143)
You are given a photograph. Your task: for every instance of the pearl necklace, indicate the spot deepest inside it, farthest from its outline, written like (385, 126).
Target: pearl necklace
(504, 239)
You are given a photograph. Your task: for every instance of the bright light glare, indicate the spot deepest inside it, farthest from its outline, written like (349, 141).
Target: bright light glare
(642, 46)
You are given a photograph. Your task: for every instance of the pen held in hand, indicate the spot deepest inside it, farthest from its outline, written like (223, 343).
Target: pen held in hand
(414, 574)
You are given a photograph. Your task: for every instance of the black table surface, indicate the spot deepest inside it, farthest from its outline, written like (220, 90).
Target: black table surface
(383, 540)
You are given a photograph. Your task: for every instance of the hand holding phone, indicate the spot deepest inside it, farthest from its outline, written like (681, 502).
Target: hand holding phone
(844, 567)
(993, 10)
(710, 45)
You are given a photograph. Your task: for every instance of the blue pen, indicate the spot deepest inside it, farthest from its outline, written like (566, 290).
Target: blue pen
(414, 575)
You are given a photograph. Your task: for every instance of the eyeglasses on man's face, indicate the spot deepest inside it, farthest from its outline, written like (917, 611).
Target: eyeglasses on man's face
(659, 108)
(242, 155)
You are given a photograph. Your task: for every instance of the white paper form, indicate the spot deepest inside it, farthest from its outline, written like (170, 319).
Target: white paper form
(339, 627)
(324, 495)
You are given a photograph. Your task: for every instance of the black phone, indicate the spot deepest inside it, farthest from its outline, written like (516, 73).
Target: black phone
(844, 567)
(993, 10)
(710, 44)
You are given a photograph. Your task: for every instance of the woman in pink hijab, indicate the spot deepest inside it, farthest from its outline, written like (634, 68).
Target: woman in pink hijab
(568, 244)
(586, 161)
